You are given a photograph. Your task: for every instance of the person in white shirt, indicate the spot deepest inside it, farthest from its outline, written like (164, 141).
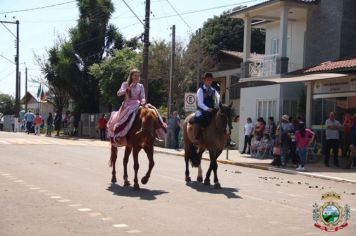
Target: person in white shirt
(207, 99)
(248, 131)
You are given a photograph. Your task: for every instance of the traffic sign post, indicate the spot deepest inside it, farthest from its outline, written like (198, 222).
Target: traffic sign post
(190, 102)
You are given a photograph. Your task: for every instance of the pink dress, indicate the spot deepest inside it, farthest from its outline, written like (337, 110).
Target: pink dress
(121, 121)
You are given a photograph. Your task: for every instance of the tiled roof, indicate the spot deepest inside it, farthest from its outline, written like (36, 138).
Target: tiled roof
(349, 63)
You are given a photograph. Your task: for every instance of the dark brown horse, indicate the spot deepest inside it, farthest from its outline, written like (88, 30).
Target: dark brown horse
(141, 136)
(214, 138)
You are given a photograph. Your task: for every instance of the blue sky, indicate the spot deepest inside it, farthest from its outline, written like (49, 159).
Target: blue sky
(39, 28)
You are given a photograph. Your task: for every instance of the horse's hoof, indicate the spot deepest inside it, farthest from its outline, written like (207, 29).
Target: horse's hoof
(217, 186)
(136, 186)
(144, 180)
(200, 179)
(188, 179)
(127, 183)
(206, 182)
(113, 180)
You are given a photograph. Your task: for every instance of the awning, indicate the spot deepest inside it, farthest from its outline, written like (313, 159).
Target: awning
(297, 78)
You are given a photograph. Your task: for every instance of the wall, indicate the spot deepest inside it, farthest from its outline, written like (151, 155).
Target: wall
(348, 32)
(323, 36)
(249, 96)
(295, 47)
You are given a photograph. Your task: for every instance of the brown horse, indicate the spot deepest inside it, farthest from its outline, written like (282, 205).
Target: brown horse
(141, 136)
(214, 138)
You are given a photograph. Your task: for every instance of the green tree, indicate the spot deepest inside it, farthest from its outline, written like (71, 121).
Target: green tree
(91, 40)
(112, 71)
(7, 104)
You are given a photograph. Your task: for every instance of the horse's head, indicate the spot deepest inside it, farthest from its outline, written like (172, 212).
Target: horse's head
(225, 114)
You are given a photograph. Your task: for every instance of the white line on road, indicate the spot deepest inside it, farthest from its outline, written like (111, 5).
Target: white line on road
(93, 214)
(56, 197)
(35, 188)
(63, 200)
(353, 209)
(134, 231)
(106, 218)
(120, 225)
(74, 205)
(19, 181)
(84, 209)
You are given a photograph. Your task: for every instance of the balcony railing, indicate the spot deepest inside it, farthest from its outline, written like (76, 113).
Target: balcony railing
(263, 66)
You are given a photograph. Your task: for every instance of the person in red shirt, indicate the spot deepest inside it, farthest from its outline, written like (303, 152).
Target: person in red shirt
(102, 127)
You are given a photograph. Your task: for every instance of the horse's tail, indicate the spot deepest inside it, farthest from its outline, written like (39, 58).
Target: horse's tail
(194, 157)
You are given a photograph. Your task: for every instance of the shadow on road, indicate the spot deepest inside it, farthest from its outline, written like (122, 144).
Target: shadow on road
(228, 192)
(144, 194)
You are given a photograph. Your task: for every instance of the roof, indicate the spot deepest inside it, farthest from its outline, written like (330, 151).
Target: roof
(342, 64)
(240, 54)
(298, 78)
(267, 2)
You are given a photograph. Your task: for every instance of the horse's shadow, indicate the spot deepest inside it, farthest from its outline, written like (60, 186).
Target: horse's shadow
(143, 194)
(228, 192)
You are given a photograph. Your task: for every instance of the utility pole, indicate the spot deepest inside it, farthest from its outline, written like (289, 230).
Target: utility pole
(17, 101)
(171, 71)
(198, 58)
(26, 90)
(146, 44)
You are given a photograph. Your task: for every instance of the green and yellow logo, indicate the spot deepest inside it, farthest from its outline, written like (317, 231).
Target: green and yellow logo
(330, 216)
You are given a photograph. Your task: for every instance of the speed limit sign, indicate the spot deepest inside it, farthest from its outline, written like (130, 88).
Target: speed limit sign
(190, 102)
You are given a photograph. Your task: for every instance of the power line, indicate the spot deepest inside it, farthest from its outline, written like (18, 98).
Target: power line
(179, 15)
(8, 29)
(7, 59)
(36, 8)
(133, 13)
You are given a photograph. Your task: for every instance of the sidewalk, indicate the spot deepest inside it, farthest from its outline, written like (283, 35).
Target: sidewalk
(317, 170)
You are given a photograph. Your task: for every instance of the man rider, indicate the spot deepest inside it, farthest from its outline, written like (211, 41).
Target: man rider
(207, 99)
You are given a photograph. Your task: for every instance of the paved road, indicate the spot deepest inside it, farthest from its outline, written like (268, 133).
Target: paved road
(51, 186)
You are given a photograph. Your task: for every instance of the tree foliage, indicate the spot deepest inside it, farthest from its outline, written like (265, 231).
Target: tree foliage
(112, 71)
(7, 104)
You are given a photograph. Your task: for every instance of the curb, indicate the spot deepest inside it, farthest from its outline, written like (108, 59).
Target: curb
(268, 168)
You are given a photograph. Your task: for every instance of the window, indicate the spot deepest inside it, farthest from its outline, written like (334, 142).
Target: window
(266, 108)
(274, 46)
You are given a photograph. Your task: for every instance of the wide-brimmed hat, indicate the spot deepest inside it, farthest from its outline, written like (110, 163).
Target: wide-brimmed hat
(285, 117)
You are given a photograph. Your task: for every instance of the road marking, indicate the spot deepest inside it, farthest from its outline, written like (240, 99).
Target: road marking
(120, 225)
(84, 209)
(63, 200)
(35, 188)
(74, 205)
(134, 231)
(274, 222)
(56, 197)
(19, 181)
(353, 209)
(4, 174)
(93, 214)
(106, 218)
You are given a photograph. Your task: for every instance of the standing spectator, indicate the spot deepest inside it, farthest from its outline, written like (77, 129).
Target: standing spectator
(248, 129)
(177, 129)
(284, 130)
(29, 117)
(294, 124)
(352, 153)
(347, 124)
(1, 122)
(303, 137)
(38, 123)
(270, 130)
(57, 122)
(102, 127)
(13, 123)
(332, 138)
(49, 124)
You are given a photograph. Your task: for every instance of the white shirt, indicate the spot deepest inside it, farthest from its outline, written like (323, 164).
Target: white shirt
(248, 128)
(200, 98)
